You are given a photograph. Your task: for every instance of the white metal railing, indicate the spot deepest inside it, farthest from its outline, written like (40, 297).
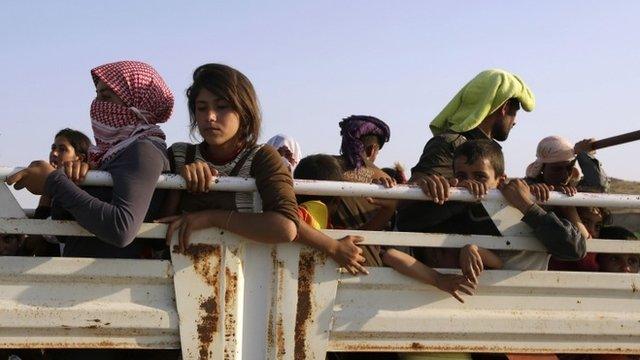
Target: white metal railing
(286, 301)
(336, 188)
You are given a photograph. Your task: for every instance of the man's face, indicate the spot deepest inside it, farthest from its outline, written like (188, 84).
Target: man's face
(481, 171)
(506, 121)
(558, 173)
(620, 263)
(502, 127)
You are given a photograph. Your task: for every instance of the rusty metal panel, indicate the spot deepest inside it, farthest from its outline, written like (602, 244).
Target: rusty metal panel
(520, 312)
(207, 279)
(304, 284)
(86, 303)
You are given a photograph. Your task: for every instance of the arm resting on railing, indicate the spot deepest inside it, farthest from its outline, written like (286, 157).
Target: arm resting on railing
(135, 173)
(559, 236)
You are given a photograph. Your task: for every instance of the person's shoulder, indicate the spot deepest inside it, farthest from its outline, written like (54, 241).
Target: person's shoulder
(265, 149)
(265, 160)
(145, 147)
(447, 138)
(179, 147)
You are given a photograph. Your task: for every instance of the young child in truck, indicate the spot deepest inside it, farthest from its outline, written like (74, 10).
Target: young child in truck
(479, 166)
(559, 166)
(325, 167)
(622, 263)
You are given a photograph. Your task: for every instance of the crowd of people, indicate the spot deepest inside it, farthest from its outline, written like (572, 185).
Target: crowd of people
(132, 100)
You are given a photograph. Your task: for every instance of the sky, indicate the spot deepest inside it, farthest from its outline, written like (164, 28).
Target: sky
(314, 63)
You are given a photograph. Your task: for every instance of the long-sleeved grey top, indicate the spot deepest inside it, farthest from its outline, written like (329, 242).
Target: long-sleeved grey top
(561, 238)
(594, 178)
(114, 214)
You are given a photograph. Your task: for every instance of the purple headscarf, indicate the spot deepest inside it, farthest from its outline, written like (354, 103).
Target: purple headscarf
(353, 129)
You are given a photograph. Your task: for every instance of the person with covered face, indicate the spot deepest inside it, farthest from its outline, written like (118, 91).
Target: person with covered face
(131, 100)
(559, 166)
(485, 108)
(565, 167)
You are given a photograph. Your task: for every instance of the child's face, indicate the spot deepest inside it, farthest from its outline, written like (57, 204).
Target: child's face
(592, 220)
(61, 152)
(217, 122)
(8, 245)
(620, 263)
(481, 171)
(558, 173)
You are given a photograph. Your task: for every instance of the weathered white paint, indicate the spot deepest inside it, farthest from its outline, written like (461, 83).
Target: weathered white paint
(515, 312)
(92, 303)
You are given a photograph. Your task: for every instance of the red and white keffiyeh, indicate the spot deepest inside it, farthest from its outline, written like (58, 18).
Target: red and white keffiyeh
(148, 101)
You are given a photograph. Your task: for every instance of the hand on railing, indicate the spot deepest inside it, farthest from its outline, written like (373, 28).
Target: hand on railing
(349, 255)
(32, 178)
(518, 194)
(436, 187)
(540, 191)
(199, 176)
(471, 262)
(386, 181)
(76, 170)
(567, 189)
(185, 225)
(476, 188)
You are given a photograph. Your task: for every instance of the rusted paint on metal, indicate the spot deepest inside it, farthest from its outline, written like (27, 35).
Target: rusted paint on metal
(201, 256)
(102, 344)
(280, 344)
(304, 308)
(230, 300)
(275, 331)
(271, 342)
(408, 347)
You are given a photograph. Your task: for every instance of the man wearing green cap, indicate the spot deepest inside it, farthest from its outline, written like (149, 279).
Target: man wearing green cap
(485, 108)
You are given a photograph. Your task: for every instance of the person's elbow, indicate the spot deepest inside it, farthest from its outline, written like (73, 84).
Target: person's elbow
(572, 248)
(289, 231)
(123, 232)
(284, 229)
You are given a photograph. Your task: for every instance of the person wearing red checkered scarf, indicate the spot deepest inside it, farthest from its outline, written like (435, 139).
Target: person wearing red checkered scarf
(143, 100)
(131, 100)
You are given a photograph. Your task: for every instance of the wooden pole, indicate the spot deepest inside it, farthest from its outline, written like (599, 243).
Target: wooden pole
(616, 140)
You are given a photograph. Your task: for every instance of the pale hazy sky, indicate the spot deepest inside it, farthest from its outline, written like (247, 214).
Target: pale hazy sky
(314, 63)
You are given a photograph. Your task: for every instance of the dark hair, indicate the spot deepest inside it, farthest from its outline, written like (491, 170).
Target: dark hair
(370, 139)
(617, 233)
(396, 172)
(233, 87)
(475, 150)
(318, 167)
(513, 105)
(78, 140)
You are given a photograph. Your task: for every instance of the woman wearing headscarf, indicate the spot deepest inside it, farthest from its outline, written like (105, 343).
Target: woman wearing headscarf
(131, 100)
(362, 138)
(288, 148)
